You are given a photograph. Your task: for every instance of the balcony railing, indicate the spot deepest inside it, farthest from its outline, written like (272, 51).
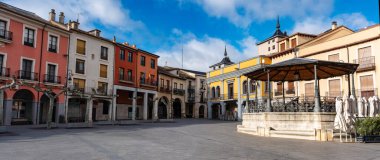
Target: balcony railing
(6, 35)
(366, 92)
(126, 78)
(166, 89)
(100, 91)
(52, 78)
(148, 82)
(4, 72)
(21, 74)
(177, 91)
(230, 96)
(52, 48)
(29, 42)
(365, 64)
(334, 94)
(191, 99)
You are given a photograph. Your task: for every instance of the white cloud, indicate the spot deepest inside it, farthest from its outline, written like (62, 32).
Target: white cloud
(242, 12)
(200, 53)
(108, 13)
(317, 25)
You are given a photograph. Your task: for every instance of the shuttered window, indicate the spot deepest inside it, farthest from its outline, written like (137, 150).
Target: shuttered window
(103, 71)
(364, 52)
(282, 47)
(366, 82)
(309, 89)
(79, 83)
(334, 57)
(293, 42)
(81, 47)
(334, 88)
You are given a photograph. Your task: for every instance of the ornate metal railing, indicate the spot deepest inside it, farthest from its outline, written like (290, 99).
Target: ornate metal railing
(52, 78)
(165, 89)
(177, 91)
(366, 63)
(7, 35)
(22, 74)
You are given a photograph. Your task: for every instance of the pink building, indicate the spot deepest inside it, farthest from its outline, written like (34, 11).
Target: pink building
(34, 50)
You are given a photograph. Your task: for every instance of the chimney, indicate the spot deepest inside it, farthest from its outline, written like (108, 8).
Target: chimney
(61, 18)
(52, 15)
(334, 25)
(134, 46)
(73, 24)
(126, 43)
(95, 32)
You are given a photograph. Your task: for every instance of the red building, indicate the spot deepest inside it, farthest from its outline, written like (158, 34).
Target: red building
(34, 50)
(135, 83)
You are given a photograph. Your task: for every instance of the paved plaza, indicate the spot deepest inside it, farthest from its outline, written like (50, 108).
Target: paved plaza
(184, 139)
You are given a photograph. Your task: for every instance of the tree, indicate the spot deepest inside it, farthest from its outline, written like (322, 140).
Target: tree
(2, 88)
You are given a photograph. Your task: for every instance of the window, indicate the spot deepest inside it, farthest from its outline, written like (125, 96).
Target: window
(79, 84)
(245, 87)
(309, 89)
(26, 72)
(152, 63)
(213, 95)
(334, 88)
(273, 40)
(3, 28)
(129, 75)
(273, 47)
(53, 43)
(130, 57)
(106, 106)
(167, 84)
(269, 42)
(181, 86)
(121, 74)
(279, 88)
(81, 47)
(282, 47)
(103, 53)
(29, 37)
(290, 88)
(266, 89)
(175, 85)
(366, 86)
(3, 70)
(103, 71)
(142, 77)
(364, 52)
(231, 91)
(102, 87)
(334, 57)
(253, 86)
(80, 66)
(268, 48)
(294, 42)
(122, 55)
(50, 76)
(152, 78)
(142, 60)
(162, 82)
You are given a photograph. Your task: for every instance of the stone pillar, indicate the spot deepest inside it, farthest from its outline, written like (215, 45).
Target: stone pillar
(114, 105)
(34, 112)
(1, 107)
(8, 112)
(209, 110)
(66, 110)
(134, 105)
(145, 106)
(239, 100)
(110, 109)
(89, 110)
(38, 110)
(155, 107)
(223, 110)
(269, 103)
(353, 85)
(60, 111)
(317, 105)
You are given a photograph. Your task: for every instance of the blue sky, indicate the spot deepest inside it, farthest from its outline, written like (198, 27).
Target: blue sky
(203, 27)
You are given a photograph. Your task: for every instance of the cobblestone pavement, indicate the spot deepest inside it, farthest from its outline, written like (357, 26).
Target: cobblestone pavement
(184, 139)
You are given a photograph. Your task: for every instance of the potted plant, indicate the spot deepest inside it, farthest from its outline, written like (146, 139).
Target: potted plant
(368, 129)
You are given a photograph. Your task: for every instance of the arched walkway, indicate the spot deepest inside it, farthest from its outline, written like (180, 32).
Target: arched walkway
(201, 113)
(44, 108)
(22, 109)
(215, 110)
(76, 111)
(177, 108)
(162, 108)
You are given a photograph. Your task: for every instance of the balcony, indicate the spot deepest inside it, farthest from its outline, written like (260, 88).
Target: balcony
(365, 64)
(52, 79)
(177, 91)
(29, 42)
(215, 99)
(366, 92)
(148, 82)
(27, 75)
(4, 72)
(126, 79)
(190, 99)
(6, 36)
(230, 96)
(101, 91)
(165, 89)
(334, 94)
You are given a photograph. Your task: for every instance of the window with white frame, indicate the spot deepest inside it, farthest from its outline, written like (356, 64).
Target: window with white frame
(53, 44)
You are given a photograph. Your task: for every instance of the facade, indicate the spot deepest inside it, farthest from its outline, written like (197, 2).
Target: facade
(33, 50)
(229, 89)
(270, 45)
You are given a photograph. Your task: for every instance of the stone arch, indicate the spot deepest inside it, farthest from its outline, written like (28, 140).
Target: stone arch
(44, 108)
(201, 112)
(162, 111)
(215, 111)
(23, 107)
(177, 108)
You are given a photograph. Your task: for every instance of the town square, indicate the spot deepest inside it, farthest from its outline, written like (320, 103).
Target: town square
(183, 79)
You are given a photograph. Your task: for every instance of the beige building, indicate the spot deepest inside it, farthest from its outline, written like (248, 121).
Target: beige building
(338, 43)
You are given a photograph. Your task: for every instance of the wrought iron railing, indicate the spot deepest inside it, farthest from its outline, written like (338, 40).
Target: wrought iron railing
(52, 48)
(29, 42)
(7, 35)
(27, 75)
(290, 91)
(165, 89)
(4, 72)
(177, 91)
(366, 63)
(366, 92)
(231, 96)
(148, 82)
(126, 78)
(52, 78)
(334, 94)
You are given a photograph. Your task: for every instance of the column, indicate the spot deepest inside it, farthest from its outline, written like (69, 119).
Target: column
(134, 105)
(114, 105)
(155, 107)
(239, 100)
(66, 109)
(209, 110)
(34, 112)
(8, 112)
(89, 110)
(145, 109)
(317, 105)
(353, 85)
(1, 107)
(110, 109)
(269, 104)
(223, 110)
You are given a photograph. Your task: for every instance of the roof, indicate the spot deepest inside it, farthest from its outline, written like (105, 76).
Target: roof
(146, 52)
(225, 61)
(187, 70)
(29, 15)
(91, 35)
(277, 33)
(304, 68)
(163, 70)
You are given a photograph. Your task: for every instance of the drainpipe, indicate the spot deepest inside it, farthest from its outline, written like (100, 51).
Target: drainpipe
(39, 75)
(67, 76)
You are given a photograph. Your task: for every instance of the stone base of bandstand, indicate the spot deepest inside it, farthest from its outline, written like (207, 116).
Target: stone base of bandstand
(316, 126)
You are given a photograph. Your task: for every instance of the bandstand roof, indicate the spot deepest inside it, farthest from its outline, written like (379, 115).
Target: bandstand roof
(304, 67)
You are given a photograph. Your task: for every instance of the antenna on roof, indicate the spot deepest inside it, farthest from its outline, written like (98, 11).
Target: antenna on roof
(182, 56)
(78, 18)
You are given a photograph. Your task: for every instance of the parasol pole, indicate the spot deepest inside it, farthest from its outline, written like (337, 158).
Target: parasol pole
(317, 105)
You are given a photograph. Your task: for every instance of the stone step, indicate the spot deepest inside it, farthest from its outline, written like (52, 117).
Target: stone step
(242, 129)
(300, 134)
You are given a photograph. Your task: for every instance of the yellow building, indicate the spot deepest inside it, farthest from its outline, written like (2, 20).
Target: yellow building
(228, 88)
